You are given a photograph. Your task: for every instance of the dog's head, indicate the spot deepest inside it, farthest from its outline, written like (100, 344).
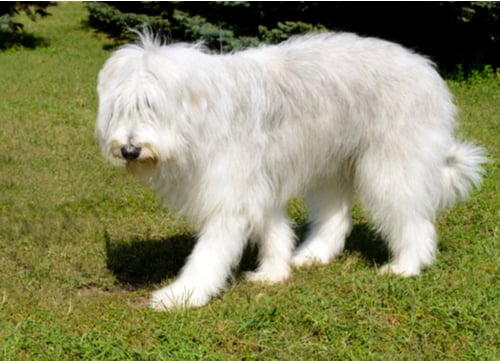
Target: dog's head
(137, 123)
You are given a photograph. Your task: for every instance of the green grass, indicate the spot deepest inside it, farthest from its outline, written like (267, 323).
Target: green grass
(82, 245)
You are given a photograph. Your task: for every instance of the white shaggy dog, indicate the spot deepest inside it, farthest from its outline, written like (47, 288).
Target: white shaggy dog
(228, 139)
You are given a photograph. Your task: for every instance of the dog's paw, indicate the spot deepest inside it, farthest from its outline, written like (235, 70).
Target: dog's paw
(177, 296)
(269, 275)
(398, 270)
(306, 257)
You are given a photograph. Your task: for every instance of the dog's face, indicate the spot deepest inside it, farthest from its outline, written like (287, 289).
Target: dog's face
(134, 125)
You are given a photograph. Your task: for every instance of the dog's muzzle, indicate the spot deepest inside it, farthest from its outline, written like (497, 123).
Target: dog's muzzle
(130, 152)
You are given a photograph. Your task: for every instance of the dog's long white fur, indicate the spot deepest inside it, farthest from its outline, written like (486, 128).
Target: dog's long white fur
(228, 139)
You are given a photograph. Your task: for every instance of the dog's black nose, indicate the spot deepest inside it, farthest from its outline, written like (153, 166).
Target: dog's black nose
(130, 152)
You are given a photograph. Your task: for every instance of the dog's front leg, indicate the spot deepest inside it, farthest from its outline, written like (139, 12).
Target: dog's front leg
(219, 248)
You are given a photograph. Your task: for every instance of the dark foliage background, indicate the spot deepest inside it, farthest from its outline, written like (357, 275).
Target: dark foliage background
(11, 31)
(451, 33)
(8, 9)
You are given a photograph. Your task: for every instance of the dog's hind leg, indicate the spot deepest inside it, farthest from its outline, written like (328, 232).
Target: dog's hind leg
(276, 242)
(412, 243)
(399, 196)
(330, 206)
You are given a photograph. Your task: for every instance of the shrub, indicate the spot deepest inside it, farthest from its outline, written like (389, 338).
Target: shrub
(449, 32)
(223, 26)
(9, 9)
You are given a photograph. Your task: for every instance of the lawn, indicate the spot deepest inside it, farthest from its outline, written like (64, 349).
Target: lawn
(82, 244)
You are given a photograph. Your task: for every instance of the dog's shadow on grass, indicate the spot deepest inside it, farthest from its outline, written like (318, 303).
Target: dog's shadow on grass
(139, 263)
(364, 241)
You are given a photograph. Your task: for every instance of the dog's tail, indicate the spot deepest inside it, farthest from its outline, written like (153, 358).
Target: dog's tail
(462, 172)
